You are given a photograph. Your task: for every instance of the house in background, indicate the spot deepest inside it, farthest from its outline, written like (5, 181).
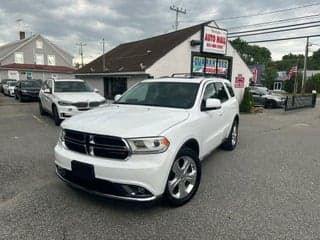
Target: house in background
(34, 57)
(278, 84)
(181, 51)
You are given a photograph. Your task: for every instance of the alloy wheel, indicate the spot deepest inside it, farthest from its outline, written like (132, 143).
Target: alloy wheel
(182, 178)
(234, 135)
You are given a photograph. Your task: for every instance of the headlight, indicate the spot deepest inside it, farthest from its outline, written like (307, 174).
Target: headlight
(24, 91)
(64, 103)
(148, 145)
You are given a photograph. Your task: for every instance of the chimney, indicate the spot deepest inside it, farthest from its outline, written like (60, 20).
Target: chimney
(22, 35)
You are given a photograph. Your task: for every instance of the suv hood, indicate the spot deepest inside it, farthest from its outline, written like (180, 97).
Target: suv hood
(79, 96)
(126, 121)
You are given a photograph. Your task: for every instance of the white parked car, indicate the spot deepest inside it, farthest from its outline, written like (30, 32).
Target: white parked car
(8, 88)
(150, 142)
(65, 98)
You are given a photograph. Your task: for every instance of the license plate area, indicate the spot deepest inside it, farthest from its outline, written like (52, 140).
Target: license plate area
(82, 171)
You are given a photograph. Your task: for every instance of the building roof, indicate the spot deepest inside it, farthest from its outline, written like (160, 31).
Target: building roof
(139, 55)
(45, 68)
(9, 48)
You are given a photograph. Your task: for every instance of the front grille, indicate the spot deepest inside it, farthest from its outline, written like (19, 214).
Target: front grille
(81, 104)
(94, 104)
(96, 145)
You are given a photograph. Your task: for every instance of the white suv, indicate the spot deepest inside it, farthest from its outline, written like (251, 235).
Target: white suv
(65, 98)
(150, 142)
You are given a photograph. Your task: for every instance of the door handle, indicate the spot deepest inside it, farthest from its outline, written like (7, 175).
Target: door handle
(220, 113)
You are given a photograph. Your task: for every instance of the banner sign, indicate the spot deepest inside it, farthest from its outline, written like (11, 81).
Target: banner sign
(254, 71)
(13, 75)
(239, 81)
(214, 40)
(211, 65)
(198, 64)
(222, 67)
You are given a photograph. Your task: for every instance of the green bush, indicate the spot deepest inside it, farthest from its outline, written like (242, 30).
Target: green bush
(247, 101)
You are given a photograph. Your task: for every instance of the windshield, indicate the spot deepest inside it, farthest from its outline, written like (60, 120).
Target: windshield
(12, 84)
(72, 86)
(262, 91)
(30, 84)
(162, 94)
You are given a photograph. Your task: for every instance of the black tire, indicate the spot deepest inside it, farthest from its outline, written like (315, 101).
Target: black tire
(41, 110)
(169, 194)
(231, 142)
(56, 117)
(270, 104)
(16, 97)
(21, 99)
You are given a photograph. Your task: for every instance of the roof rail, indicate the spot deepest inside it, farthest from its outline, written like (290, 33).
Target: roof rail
(182, 75)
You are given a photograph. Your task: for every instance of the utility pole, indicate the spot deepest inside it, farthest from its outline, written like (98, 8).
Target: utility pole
(102, 45)
(81, 45)
(304, 77)
(177, 10)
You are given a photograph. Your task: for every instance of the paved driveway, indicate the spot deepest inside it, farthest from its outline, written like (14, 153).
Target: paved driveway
(268, 188)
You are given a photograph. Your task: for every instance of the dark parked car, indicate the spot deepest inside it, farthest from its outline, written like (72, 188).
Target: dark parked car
(3, 82)
(262, 97)
(28, 90)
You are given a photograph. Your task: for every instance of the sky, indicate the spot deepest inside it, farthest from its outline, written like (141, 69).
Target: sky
(67, 22)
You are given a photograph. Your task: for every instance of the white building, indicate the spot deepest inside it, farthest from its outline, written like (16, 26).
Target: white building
(198, 50)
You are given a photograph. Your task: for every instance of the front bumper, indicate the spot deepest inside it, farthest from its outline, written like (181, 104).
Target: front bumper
(147, 171)
(30, 95)
(69, 111)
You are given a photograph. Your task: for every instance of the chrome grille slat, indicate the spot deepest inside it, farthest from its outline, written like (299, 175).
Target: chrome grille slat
(96, 145)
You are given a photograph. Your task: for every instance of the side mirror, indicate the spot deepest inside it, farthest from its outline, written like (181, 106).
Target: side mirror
(117, 97)
(211, 104)
(96, 90)
(47, 90)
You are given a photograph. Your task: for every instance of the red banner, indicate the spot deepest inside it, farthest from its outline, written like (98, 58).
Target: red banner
(239, 81)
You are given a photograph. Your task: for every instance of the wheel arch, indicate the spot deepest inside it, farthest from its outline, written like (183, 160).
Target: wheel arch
(193, 144)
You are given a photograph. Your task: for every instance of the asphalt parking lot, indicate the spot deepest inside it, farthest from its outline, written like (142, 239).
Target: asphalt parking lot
(268, 188)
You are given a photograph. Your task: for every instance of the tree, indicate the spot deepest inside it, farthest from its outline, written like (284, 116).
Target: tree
(269, 75)
(251, 54)
(289, 84)
(314, 61)
(313, 84)
(247, 101)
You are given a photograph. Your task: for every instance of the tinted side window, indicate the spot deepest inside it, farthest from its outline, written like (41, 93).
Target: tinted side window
(221, 92)
(230, 89)
(209, 92)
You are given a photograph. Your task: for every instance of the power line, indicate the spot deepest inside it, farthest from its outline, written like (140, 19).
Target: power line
(272, 28)
(177, 10)
(275, 31)
(272, 22)
(269, 12)
(258, 14)
(284, 39)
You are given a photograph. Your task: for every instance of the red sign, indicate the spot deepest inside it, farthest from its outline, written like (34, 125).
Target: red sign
(239, 81)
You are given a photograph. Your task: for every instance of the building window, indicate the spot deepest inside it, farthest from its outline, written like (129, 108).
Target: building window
(39, 59)
(39, 44)
(52, 60)
(18, 57)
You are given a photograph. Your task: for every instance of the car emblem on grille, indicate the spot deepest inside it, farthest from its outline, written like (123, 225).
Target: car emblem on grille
(89, 145)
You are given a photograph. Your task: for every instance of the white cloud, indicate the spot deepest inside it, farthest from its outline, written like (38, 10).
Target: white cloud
(68, 22)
